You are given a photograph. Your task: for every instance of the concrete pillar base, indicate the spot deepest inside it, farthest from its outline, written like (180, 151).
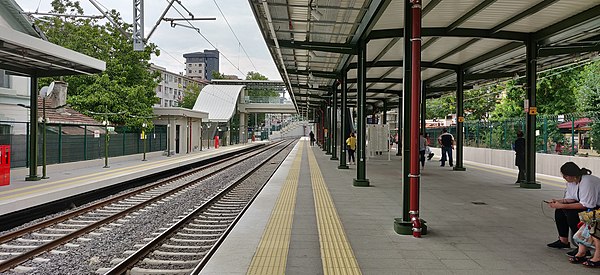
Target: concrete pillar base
(343, 166)
(456, 168)
(530, 185)
(405, 228)
(360, 182)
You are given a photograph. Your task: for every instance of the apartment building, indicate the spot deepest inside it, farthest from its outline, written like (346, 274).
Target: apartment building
(171, 87)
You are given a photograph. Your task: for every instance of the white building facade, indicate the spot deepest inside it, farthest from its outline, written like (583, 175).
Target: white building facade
(171, 87)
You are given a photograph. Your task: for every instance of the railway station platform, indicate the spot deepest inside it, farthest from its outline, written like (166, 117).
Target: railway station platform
(310, 219)
(71, 179)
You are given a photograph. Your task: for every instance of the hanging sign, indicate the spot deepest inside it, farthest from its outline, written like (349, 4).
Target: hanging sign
(461, 119)
(533, 111)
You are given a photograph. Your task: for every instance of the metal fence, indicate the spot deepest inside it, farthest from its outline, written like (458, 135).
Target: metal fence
(559, 134)
(78, 142)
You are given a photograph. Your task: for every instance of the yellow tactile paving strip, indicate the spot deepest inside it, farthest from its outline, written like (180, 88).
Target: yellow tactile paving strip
(336, 253)
(272, 252)
(112, 173)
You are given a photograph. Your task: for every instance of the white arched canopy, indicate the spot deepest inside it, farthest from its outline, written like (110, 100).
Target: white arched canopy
(219, 101)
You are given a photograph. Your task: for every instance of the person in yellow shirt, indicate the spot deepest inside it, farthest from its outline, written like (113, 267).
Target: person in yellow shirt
(351, 146)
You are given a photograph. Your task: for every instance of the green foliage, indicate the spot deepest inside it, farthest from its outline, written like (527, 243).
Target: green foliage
(440, 107)
(511, 104)
(555, 91)
(259, 92)
(588, 88)
(190, 95)
(127, 86)
(588, 97)
(217, 75)
(255, 76)
(478, 103)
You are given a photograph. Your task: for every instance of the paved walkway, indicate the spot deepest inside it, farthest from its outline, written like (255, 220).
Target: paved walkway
(479, 222)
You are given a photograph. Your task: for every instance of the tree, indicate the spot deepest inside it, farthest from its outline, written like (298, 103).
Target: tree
(588, 97)
(190, 95)
(480, 102)
(217, 75)
(260, 92)
(126, 86)
(440, 107)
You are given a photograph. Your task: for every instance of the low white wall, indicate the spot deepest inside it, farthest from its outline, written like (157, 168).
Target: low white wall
(547, 164)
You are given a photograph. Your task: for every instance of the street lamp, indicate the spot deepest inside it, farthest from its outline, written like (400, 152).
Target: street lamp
(45, 92)
(206, 132)
(106, 139)
(144, 138)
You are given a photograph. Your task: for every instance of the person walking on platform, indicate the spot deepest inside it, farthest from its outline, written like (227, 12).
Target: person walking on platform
(447, 141)
(312, 138)
(519, 148)
(582, 193)
(351, 146)
(427, 148)
(422, 149)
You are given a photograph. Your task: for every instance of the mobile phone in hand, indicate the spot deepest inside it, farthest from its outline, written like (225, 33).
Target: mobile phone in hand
(547, 201)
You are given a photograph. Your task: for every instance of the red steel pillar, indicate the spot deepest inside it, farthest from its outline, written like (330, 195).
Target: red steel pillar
(414, 176)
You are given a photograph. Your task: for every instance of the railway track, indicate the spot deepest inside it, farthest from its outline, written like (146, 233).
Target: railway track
(186, 246)
(27, 243)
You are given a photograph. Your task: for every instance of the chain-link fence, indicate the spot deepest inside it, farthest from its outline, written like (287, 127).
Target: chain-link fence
(77, 142)
(571, 134)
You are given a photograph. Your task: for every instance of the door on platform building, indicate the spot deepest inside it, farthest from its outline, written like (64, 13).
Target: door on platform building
(177, 133)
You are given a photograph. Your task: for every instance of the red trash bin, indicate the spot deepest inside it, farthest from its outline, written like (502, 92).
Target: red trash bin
(216, 142)
(4, 165)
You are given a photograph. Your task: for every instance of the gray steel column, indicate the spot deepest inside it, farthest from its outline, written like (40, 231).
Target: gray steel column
(344, 128)
(361, 134)
(334, 130)
(460, 79)
(33, 123)
(329, 129)
(531, 67)
(399, 122)
(404, 225)
(385, 106)
(423, 110)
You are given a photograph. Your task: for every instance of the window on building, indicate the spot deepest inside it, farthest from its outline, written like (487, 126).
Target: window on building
(4, 80)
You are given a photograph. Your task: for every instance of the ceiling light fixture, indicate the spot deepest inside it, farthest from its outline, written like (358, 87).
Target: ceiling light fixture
(317, 15)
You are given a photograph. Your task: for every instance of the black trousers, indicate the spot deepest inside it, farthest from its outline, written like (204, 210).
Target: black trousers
(422, 157)
(566, 219)
(521, 176)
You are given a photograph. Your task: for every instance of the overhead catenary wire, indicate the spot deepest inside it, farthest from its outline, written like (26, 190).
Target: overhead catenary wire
(207, 40)
(236, 38)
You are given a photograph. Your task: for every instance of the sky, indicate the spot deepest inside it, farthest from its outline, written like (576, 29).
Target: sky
(174, 42)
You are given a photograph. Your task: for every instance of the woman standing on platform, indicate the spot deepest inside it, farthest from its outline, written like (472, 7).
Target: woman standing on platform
(519, 148)
(351, 145)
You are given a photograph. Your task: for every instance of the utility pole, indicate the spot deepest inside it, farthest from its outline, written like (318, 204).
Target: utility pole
(105, 122)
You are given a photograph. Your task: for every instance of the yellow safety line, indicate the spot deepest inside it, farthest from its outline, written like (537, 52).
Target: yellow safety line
(272, 252)
(112, 173)
(336, 253)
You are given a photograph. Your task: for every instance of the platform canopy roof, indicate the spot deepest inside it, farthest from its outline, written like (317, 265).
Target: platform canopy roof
(219, 101)
(313, 41)
(24, 49)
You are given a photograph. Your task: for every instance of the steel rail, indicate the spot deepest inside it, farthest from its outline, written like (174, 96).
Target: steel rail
(142, 252)
(14, 261)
